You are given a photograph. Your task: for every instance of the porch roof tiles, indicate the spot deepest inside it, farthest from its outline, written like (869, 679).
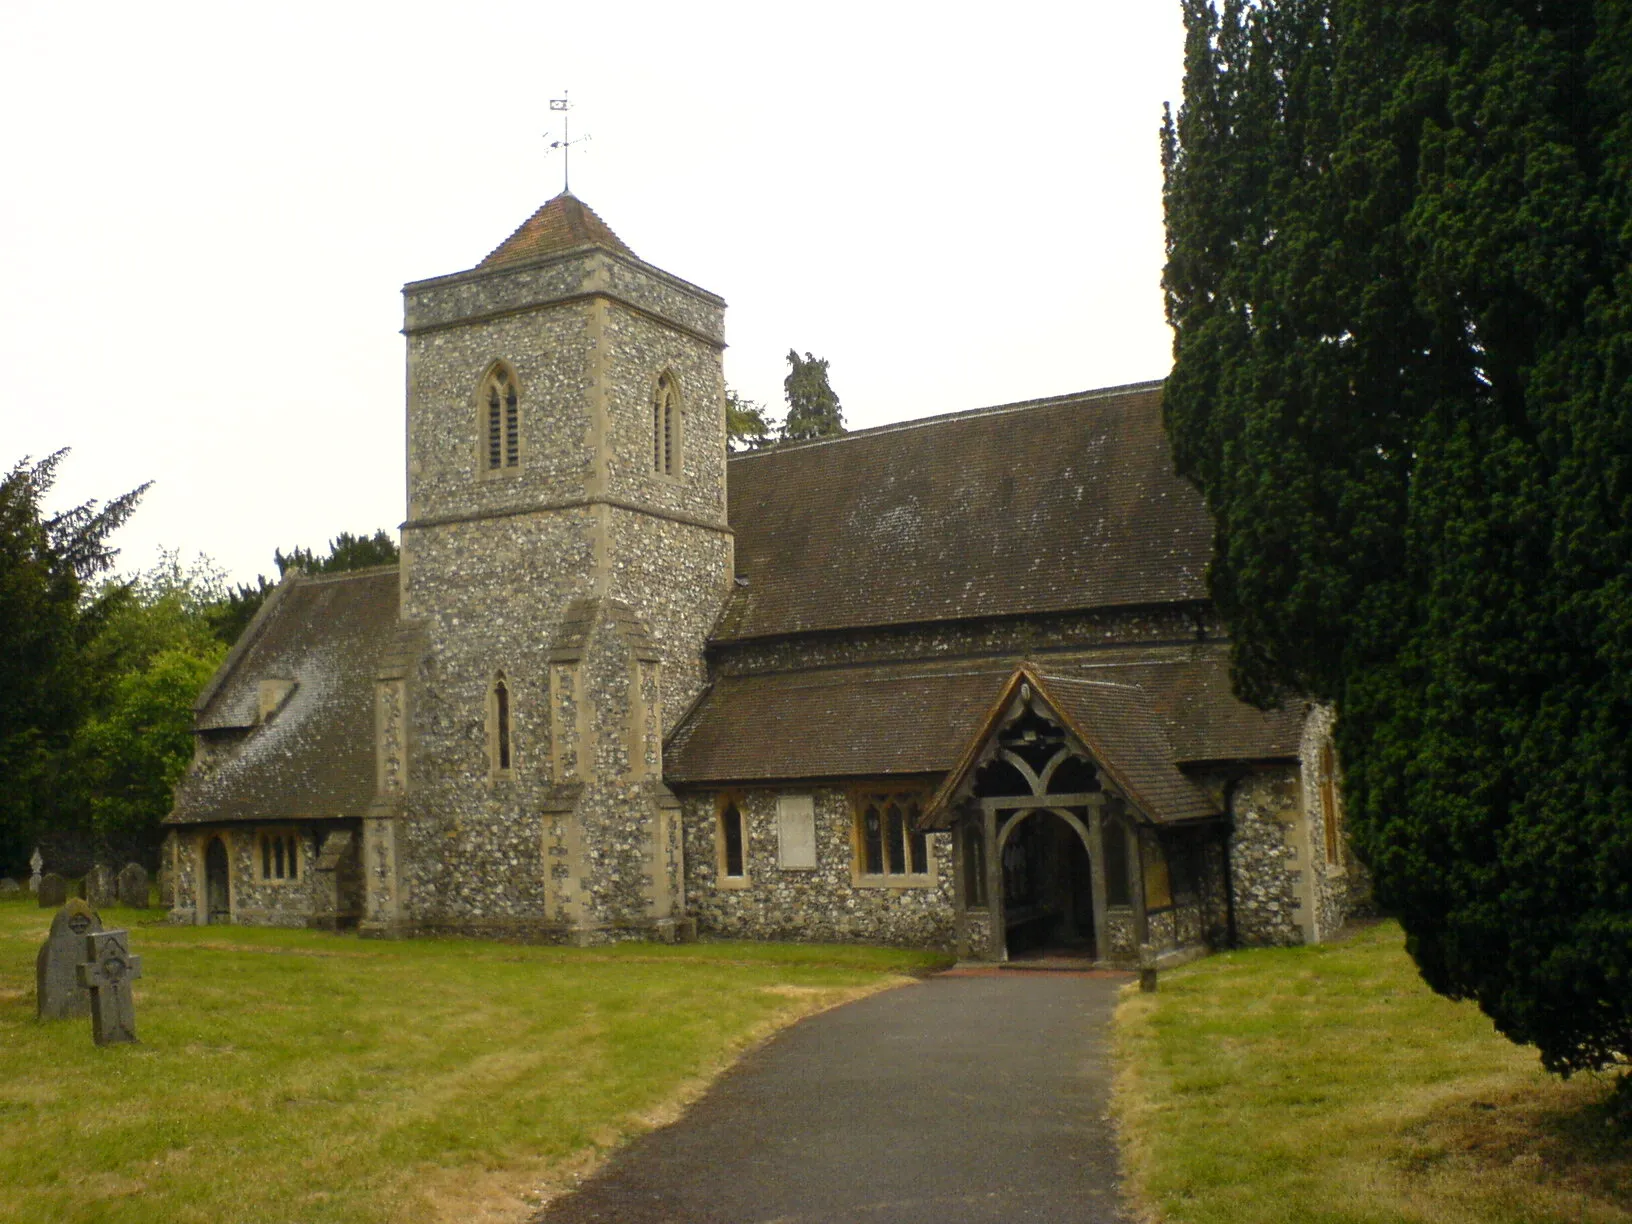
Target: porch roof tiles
(1149, 715)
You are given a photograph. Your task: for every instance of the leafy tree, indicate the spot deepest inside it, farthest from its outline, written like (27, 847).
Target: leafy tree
(151, 655)
(1400, 282)
(236, 606)
(46, 620)
(747, 426)
(133, 752)
(813, 408)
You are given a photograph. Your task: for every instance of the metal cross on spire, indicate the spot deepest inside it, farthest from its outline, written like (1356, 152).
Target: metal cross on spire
(566, 142)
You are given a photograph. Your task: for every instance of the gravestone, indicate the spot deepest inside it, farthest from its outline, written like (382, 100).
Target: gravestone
(53, 890)
(35, 862)
(10, 889)
(107, 974)
(57, 992)
(101, 888)
(133, 886)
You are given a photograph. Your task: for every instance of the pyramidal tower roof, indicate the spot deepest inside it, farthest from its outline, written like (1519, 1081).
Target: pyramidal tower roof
(565, 223)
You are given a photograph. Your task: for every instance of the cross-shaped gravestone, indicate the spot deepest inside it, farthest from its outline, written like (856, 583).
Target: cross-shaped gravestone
(108, 973)
(35, 862)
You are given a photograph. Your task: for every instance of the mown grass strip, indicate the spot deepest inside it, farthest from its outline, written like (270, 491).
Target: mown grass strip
(1328, 1085)
(299, 1076)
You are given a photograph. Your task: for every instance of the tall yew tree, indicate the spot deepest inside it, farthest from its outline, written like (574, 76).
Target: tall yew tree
(1400, 283)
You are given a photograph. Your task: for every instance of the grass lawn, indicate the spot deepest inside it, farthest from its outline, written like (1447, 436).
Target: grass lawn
(288, 1076)
(1328, 1084)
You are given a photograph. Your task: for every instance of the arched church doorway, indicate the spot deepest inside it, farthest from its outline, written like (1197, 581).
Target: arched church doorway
(1048, 887)
(217, 886)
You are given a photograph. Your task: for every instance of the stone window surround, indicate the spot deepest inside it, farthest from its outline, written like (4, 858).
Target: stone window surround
(480, 411)
(859, 876)
(1331, 809)
(501, 732)
(266, 858)
(675, 473)
(723, 801)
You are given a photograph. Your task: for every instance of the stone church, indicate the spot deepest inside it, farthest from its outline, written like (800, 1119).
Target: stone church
(954, 682)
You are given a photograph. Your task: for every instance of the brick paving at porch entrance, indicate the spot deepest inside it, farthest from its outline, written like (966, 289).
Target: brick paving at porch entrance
(974, 1097)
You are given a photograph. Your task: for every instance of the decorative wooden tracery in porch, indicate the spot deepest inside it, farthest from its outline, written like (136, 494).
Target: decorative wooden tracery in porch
(1030, 763)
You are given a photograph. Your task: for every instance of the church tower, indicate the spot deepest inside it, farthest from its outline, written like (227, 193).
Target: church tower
(564, 557)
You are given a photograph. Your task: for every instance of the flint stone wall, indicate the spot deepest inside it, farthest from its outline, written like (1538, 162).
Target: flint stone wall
(1264, 864)
(824, 904)
(255, 902)
(1342, 888)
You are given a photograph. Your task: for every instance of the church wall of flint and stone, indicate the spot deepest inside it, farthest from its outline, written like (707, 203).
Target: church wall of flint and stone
(575, 601)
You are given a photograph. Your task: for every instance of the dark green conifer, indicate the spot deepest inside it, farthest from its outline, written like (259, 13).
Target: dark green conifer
(1400, 281)
(813, 408)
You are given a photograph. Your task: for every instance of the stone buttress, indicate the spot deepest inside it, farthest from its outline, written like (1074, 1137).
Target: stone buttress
(564, 557)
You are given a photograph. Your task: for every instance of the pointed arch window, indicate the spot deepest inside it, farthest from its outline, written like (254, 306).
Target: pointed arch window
(501, 410)
(666, 426)
(1328, 805)
(500, 749)
(731, 841)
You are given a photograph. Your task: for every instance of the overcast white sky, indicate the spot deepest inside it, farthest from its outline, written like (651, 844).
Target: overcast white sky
(207, 213)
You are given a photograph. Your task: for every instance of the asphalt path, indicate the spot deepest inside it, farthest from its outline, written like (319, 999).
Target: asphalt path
(963, 1099)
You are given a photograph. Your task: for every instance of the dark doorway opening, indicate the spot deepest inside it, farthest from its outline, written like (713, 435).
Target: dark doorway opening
(1048, 890)
(217, 894)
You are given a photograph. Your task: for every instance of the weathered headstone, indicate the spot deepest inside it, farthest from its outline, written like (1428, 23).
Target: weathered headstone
(133, 886)
(101, 887)
(53, 890)
(10, 890)
(107, 974)
(35, 862)
(58, 994)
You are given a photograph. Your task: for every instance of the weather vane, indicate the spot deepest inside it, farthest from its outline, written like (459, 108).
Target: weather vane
(566, 142)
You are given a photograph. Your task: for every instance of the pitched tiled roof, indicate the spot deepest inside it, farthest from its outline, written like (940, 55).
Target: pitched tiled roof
(315, 756)
(844, 722)
(1045, 506)
(1168, 707)
(563, 224)
(1120, 727)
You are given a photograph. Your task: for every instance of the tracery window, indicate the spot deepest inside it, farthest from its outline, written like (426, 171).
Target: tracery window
(666, 426)
(889, 849)
(279, 856)
(501, 401)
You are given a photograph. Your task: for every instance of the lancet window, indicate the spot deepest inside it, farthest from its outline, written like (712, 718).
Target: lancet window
(666, 426)
(733, 841)
(1328, 805)
(501, 402)
(498, 725)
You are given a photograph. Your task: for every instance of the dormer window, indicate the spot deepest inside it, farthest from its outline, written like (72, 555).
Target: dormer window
(501, 404)
(666, 426)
